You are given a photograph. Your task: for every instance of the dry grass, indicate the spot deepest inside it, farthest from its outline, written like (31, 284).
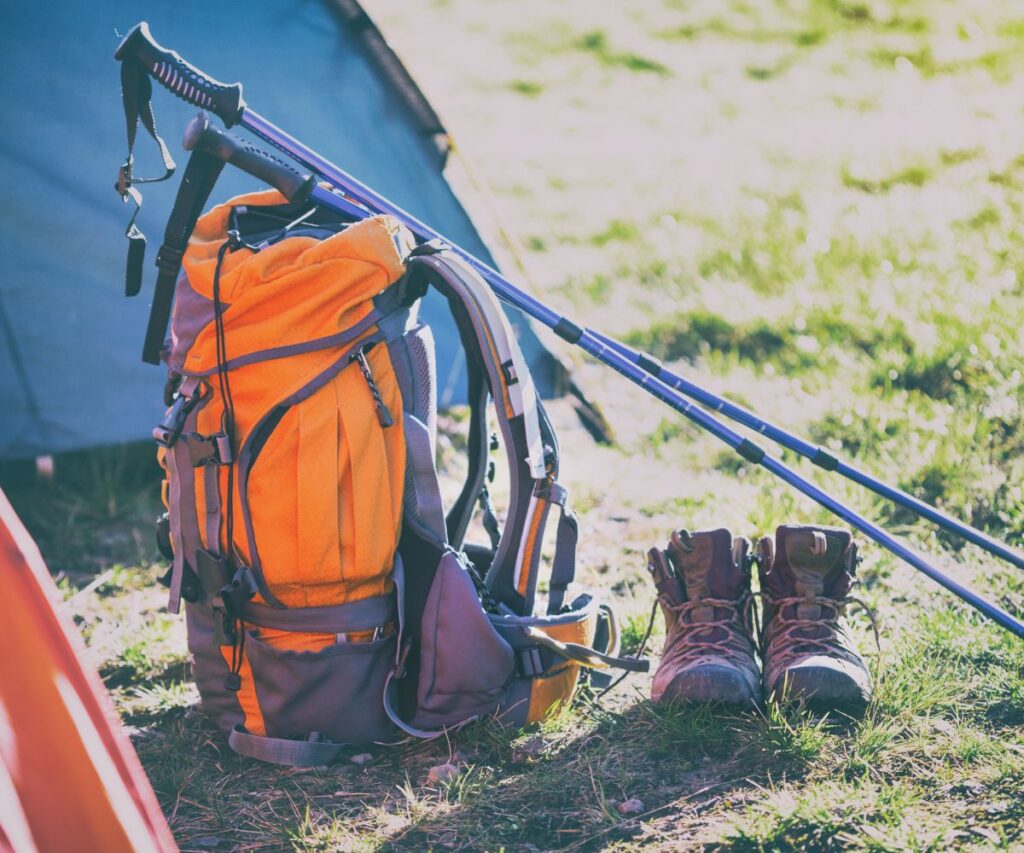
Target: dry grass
(812, 206)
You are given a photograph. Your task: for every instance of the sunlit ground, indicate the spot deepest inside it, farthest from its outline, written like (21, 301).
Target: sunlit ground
(809, 207)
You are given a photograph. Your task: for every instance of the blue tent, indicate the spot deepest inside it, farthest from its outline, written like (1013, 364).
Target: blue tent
(70, 342)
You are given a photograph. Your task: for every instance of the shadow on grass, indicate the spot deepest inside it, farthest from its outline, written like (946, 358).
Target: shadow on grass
(702, 775)
(556, 786)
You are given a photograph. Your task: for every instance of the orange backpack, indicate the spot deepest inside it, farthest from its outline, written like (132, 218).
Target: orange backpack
(330, 599)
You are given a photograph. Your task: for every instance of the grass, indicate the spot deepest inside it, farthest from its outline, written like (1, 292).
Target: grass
(809, 207)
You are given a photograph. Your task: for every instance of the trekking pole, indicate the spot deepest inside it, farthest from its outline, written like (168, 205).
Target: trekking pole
(206, 138)
(816, 454)
(226, 102)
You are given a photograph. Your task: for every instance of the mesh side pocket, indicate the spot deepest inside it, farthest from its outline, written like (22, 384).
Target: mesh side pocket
(336, 691)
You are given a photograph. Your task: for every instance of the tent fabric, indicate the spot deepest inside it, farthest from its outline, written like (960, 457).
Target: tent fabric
(69, 778)
(70, 370)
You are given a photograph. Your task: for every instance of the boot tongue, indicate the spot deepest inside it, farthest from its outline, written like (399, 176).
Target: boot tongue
(705, 566)
(811, 561)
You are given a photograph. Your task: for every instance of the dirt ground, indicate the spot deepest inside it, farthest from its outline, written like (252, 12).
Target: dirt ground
(811, 207)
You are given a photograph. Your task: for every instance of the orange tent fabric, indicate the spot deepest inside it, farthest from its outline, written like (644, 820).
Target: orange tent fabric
(69, 778)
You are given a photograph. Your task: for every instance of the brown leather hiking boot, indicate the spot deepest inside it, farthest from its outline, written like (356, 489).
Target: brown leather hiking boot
(703, 582)
(806, 575)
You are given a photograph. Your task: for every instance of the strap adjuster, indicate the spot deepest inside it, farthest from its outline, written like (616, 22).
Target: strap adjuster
(529, 663)
(209, 449)
(235, 594)
(168, 259)
(124, 179)
(508, 368)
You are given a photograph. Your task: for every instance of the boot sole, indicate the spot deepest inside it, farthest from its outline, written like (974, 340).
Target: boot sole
(822, 691)
(711, 685)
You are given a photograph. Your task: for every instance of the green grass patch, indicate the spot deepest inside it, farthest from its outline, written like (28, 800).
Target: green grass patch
(530, 88)
(597, 44)
(916, 175)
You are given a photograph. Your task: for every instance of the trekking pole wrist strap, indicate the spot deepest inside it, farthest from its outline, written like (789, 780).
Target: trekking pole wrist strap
(180, 77)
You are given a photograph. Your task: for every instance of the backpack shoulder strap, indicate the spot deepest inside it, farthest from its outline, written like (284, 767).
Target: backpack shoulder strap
(529, 440)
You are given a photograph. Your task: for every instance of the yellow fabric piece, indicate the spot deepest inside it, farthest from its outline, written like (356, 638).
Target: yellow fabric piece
(551, 692)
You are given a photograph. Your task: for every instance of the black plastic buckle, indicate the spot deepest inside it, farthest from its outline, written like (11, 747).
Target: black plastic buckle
(167, 431)
(163, 536)
(189, 589)
(529, 663)
(229, 601)
(235, 594)
(168, 259)
(508, 368)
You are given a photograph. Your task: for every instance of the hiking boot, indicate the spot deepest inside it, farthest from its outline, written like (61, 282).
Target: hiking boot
(703, 582)
(806, 574)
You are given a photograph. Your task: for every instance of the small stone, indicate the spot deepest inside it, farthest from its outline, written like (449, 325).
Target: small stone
(442, 773)
(529, 750)
(630, 807)
(362, 758)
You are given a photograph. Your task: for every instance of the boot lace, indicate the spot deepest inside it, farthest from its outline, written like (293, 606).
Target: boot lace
(704, 639)
(793, 636)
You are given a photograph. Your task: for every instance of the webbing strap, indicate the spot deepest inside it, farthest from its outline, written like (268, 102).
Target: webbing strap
(211, 488)
(277, 750)
(136, 92)
(585, 655)
(201, 174)
(423, 500)
(178, 564)
(563, 566)
(361, 615)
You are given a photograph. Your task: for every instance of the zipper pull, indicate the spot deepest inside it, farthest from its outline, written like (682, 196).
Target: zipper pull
(383, 415)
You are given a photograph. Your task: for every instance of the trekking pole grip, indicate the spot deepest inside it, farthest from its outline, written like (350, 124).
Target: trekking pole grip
(182, 78)
(200, 135)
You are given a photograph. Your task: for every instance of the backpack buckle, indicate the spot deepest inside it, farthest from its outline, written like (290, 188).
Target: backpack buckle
(229, 602)
(209, 449)
(168, 259)
(529, 663)
(235, 594)
(166, 432)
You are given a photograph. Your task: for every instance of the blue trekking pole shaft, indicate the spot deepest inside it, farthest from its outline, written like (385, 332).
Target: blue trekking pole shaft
(593, 344)
(818, 455)
(226, 101)
(371, 199)
(596, 346)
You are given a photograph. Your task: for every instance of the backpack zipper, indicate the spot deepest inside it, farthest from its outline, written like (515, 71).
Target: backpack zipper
(383, 415)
